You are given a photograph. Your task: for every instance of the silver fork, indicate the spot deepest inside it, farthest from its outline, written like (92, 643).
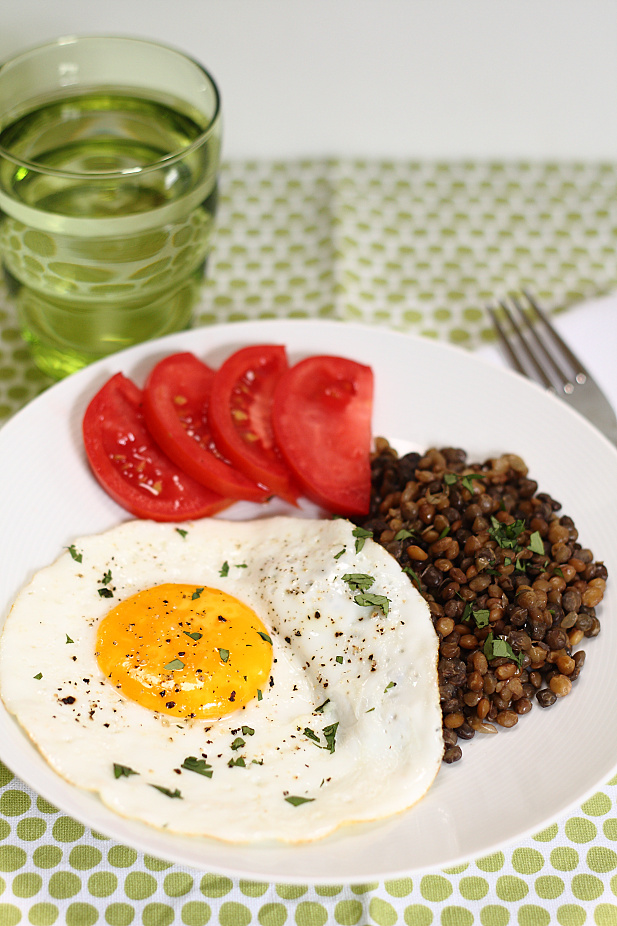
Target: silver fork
(537, 351)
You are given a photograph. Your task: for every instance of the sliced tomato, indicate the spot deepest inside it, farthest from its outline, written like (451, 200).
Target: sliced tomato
(240, 416)
(175, 402)
(321, 417)
(129, 465)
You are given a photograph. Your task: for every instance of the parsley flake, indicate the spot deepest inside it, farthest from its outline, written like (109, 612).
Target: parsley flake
(340, 553)
(167, 791)
(339, 659)
(239, 762)
(68, 639)
(296, 801)
(506, 535)
(196, 593)
(330, 736)
(38, 676)
(259, 695)
(536, 544)
(361, 534)
(389, 686)
(378, 601)
(194, 636)
(310, 734)
(480, 616)
(238, 743)
(182, 532)
(495, 647)
(224, 654)
(358, 580)
(319, 710)
(248, 731)
(174, 665)
(77, 556)
(412, 575)
(105, 592)
(193, 764)
(224, 571)
(264, 636)
(106, 578)
(123, 771)
(404, 534)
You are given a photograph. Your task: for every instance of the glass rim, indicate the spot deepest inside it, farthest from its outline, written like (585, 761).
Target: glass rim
(166, 161)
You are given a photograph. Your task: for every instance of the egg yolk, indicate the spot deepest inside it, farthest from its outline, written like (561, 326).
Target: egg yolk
(185, 651)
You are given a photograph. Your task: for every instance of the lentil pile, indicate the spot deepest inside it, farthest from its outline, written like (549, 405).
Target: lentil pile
(510, 589)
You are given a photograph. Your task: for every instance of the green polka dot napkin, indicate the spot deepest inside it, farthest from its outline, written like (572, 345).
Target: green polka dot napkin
(419, 247)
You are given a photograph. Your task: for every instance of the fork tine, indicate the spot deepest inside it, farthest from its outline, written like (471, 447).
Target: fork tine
(540, 372)
(505, 342)
(580, 373)
(551, 358)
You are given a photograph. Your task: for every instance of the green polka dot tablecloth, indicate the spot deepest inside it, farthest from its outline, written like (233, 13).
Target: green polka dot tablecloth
(419, 247)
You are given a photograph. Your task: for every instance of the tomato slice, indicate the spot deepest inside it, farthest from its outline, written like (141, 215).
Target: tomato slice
(130, 466)
(175, 403)
(322, 424)
(240, 415)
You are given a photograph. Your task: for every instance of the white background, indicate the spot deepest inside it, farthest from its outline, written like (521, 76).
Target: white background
(406, 78)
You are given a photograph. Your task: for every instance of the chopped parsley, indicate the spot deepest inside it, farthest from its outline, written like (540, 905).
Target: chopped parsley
(38, 676)
(296, 801)
(167, 791)
(389, 686)
(196, 593)
(319, 710)
(480, 616)
(174, 665)
(194, 636)
(311, 734)
(497, 647)
(68, 639)
(259, 695)
(193, 764)
(77, 556)
(412, 575)
(105, 593)
(329, 733)
(358, 580)
(506, 535)
(238, 743)
(248, 731)
(361, 534)
(536, 544)
(264, 636)
(377, 601)
(466, 480)
(339, 659)
(123, 771)
(182, 532)
(404, 534)
(106, 578)
(224, 654)
(340, 553)
(239, 762)
(224, 570)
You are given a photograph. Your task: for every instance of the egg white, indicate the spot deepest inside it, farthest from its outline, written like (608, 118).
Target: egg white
(376, 674)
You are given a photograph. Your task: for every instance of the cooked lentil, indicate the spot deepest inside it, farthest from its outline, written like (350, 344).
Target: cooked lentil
(510, 589)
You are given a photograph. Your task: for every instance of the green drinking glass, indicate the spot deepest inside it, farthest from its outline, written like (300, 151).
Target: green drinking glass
(109, 159)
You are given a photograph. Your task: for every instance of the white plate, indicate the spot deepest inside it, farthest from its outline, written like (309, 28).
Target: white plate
(427, 394)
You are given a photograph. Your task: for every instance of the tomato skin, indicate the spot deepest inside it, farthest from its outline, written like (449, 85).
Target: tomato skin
(125, 460)
(240, 416)
(175, 404)
(322, 423)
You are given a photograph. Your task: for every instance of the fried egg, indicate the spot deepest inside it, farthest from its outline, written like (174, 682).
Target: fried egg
(269, 680)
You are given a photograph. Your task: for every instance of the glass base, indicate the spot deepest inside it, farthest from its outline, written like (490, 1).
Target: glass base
(64, 337)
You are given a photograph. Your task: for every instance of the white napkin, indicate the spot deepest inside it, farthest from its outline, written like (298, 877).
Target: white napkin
(590, 330)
